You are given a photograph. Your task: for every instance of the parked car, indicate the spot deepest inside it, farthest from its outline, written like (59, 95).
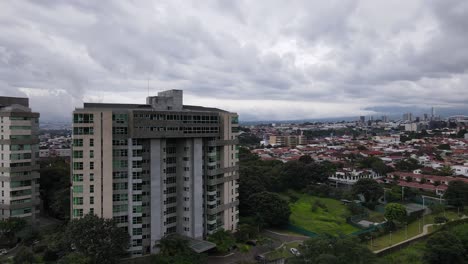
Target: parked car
(3, 252)
(295, 252)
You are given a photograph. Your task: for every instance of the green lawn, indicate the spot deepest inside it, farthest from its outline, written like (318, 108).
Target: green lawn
(283, 252)
(331, 220)
(414, 229)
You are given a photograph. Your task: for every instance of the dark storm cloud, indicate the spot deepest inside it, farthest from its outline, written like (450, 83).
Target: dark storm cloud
(277, 59)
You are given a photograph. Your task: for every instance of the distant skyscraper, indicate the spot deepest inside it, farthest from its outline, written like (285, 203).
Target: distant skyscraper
(362, 119)
(425, 117)
(408, 117)
(385, 118)
(19, 173)
(432, 113)
(157, 168)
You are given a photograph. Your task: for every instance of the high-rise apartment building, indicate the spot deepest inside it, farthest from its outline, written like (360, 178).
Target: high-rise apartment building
(157, 168)
(19, 150)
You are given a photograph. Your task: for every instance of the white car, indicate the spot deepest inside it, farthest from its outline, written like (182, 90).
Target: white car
(295, 252)
(3, 252)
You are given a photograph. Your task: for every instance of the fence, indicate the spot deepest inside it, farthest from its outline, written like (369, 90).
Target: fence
(301, 231)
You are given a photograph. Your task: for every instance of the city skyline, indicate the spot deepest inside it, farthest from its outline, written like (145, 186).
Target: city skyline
(264, 60)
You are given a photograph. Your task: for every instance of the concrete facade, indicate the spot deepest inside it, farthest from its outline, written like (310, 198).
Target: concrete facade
(158, 168)
(19, 151)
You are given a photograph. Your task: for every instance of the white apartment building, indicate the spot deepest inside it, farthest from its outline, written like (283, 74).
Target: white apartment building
(157, 168)
(19, 173)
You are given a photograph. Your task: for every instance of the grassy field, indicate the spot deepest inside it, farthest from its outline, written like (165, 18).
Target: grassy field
(331, 219)
(414, 229)
(283, 252)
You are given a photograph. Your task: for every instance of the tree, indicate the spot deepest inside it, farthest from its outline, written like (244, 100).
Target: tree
(306, 159)
(74, 258)
(328, 249)
(271, 209)
(457, 193)
(10, 227)
(407, 165)
(223, 239)
(443, 247)
(55, 187)
(446, 171)
(24, 256)
(444, 147)
(369, 188)
(245, 232)
(175, 249)
(97, 238)
(395, 212)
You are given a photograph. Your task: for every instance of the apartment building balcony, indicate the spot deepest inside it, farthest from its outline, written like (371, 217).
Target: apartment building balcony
(211, 193)
(211, 202)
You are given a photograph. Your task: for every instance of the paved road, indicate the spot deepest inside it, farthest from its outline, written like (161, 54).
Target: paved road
(278, 239)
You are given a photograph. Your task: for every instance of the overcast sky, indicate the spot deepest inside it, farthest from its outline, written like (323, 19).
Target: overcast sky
(266, 60)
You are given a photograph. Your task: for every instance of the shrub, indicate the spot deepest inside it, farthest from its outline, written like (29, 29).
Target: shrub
(440, 219)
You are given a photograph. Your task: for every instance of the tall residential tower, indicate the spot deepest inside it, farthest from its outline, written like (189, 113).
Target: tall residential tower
(19, 150)
(156, 168)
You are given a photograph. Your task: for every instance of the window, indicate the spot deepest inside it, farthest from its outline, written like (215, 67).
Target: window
(77, 200)
(77, 212)
(136, 198)
(137, 220)
(91, 142)
(120, 186)
(137, 231)
(91, 177)
(83, 131)
(170, 190)
(20, 127)
(77, 165)
(91, 211)
(78, 142)
(119, 153)
(91, 165)
(170, 210)
(137, 209)
(120, 118)
(78, 154)
(120, 197)
(120, 175)
(91, 188)
(91, 153)
(119, 208)
(77, 177)
(119, 142)
(119, 164)
(78, 189)
(120, 219)
(83, 118)
(119, 130)
(91, 200)
(171, 220)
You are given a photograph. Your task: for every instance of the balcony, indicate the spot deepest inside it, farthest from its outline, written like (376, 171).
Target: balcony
(211, 193)
(211, 222)
(211, 202)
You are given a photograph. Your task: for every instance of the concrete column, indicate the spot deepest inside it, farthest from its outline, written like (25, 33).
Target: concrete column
(156, 194)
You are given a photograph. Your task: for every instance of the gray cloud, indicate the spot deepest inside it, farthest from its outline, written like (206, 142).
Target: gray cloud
(263, 59)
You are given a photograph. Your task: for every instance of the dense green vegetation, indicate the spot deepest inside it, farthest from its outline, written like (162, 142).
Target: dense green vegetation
(55, 187)
(321, 215)
(338, 250)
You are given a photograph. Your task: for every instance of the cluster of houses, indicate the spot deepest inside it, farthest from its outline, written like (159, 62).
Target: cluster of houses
(432, 153)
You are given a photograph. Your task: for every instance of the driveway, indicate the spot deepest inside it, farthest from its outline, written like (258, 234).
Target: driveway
(235, 257)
